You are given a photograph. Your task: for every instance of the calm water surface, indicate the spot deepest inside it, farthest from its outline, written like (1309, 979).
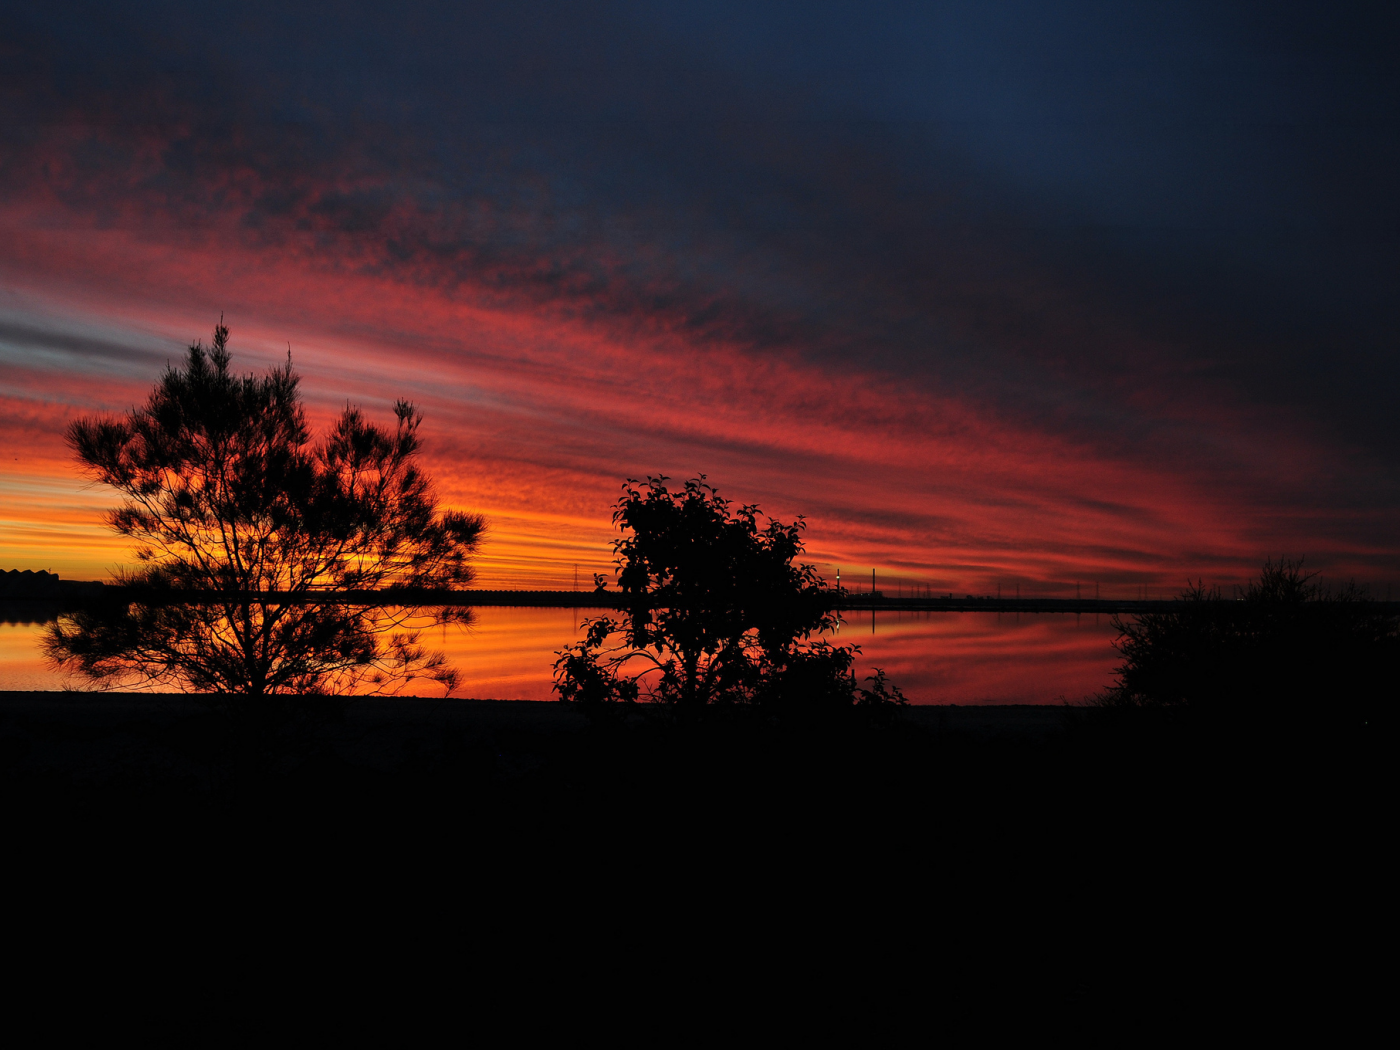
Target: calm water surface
(935, 657)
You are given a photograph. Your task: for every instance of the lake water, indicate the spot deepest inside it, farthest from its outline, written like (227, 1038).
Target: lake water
(935, 657)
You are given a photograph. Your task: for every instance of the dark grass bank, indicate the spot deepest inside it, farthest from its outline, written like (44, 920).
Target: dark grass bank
(1050, 773)
(1111, 873)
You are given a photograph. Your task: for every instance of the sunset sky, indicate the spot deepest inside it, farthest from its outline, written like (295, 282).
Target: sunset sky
(995, 294)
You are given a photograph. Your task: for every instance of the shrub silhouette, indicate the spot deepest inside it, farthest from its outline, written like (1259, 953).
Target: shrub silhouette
(241, 520)
(1288, 642)
(717, 613)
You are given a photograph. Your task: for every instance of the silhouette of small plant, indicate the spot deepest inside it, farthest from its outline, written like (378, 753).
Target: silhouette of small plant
(581, 677)
(882, 692)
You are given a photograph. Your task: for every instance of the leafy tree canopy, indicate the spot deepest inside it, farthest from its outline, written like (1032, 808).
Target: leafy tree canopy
(240, 519)
(718, 611)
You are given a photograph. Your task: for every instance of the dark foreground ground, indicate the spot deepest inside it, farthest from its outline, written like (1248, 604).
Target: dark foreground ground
(1084, 870)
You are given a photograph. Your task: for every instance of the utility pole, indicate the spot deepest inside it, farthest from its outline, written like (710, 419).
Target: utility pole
(872, 585)
(575, 577)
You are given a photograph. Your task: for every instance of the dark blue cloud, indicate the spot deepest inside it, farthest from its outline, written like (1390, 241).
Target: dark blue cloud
(1048, 209)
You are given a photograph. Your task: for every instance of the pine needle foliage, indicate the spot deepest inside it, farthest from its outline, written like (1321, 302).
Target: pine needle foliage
(241, 520)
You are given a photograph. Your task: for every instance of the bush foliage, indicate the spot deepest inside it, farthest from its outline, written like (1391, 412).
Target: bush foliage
(1288, 641)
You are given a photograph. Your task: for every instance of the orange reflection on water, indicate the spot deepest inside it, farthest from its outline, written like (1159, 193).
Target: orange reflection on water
(935, 658)
(508, 653)
(975, 657)
(22, 666)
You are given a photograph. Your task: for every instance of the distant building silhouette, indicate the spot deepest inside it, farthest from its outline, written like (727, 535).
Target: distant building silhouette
(28, 584)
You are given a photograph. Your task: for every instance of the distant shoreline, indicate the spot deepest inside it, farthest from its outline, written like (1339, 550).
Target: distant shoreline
(66, 591)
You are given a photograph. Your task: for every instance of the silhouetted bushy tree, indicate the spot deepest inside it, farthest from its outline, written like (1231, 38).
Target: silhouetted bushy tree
(718, 612)
(1288, 642)
(241, 520)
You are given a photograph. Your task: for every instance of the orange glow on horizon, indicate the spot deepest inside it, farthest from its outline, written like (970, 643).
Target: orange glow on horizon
(534, 416)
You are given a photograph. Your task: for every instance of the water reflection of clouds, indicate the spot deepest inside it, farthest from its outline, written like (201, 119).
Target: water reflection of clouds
(961, 658)
(973, 657)
(21, 664)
